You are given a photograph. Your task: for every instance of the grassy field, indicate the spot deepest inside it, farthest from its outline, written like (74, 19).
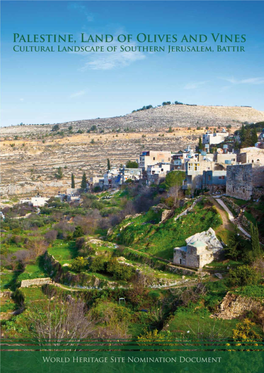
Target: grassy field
(144, 234)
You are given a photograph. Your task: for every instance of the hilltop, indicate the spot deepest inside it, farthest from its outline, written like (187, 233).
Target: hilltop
(156, 118)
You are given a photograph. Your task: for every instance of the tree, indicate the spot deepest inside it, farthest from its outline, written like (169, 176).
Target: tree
(84, 181)
(72, 181)
(78, 232)
(247, 138)
(108, 164)
(132, 164)
(173, 183)
(255, 240)
(59, 320)
(93, 128)
(254, 136)
(200, 145)
(174, 178)
(242, 133)
(59, 174)
(242, 276)
(55, 128)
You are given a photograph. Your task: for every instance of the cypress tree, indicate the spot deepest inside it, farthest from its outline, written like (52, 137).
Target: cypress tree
(255, 240)
(108, 164)
(254, 136)
(72, 181)
(200, 146)
(84, 181)
(242, 133)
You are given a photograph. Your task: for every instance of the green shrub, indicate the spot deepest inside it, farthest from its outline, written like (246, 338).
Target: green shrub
(78, 232)
(120, 271)
(79, 264)
(243, 275)
(98, 264)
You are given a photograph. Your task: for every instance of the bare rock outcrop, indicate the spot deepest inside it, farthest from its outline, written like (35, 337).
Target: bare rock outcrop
(234, 306)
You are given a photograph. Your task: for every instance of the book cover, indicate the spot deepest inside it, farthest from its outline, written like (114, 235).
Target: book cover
(132, 186)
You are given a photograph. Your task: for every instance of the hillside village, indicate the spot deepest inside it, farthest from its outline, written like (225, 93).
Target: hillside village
(167, 243)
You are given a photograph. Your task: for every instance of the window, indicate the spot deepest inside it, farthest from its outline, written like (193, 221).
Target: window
(162, 169)
(153, 158)
(168, 159)
(257, 160)
(252, 161)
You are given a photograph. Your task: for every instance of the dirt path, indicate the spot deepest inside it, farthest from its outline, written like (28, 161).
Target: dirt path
(226, 222)
(218, 202)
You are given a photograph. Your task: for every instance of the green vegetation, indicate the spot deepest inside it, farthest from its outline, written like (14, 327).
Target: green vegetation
(108, 164)
(84, 182)
(111, 258)
(59, 173)
(243, 275)
(145, 234)
(132, 164)
(72, 181)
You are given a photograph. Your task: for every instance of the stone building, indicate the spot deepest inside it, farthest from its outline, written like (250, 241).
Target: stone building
(201, 249)
(252, 155)
(239, 181)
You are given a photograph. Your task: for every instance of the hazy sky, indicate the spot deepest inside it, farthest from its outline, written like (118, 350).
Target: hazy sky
(56, 87)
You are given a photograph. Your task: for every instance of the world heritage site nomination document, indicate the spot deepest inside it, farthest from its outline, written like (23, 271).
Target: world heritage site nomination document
(68, 61)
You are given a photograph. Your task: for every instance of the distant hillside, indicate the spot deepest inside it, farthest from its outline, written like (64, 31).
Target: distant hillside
(158, 118)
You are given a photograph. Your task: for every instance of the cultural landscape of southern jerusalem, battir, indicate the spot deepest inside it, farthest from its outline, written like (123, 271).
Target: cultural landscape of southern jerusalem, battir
(146, 227)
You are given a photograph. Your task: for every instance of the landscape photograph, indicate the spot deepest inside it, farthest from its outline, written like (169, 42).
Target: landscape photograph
(132, 183)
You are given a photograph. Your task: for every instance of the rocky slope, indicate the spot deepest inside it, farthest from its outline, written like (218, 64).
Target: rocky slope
(31, 155)
(157, 118)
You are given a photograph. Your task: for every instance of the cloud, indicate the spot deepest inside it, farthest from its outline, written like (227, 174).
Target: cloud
(78, 7)
(77, 94)
(259, 80)
(195, 85)
(111, 60)
(21, 99)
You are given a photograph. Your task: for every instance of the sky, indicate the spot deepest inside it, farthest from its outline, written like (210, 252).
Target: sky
(57, 87)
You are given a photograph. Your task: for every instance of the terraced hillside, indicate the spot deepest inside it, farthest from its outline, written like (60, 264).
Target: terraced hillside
(31, 155)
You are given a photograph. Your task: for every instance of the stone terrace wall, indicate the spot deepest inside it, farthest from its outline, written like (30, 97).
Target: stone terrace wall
(36, 282)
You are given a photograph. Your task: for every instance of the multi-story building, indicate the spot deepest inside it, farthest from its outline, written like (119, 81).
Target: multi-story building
(214, 138)
(152, 157)
(212, 178)
(195, 168)
(157, 172)
(180, 158)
